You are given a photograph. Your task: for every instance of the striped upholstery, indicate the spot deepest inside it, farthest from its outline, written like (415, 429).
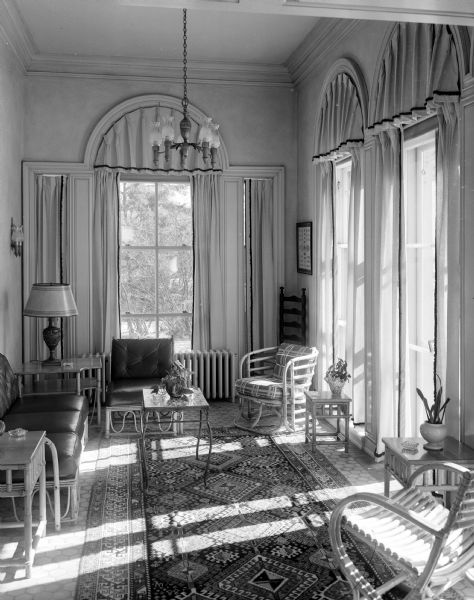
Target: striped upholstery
(269, 388)
(285, 353)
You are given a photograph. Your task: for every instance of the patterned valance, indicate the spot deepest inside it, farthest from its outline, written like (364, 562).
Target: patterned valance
(127, 144)
(418, 71)
(340, 125)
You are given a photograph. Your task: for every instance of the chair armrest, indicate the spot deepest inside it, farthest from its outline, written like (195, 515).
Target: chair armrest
(389, 504)
(257, 361)
(307, 361)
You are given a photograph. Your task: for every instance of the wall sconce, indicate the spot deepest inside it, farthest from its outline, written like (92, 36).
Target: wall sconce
(16, 239)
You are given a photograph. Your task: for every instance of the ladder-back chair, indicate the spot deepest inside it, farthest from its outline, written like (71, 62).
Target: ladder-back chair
(431, 545)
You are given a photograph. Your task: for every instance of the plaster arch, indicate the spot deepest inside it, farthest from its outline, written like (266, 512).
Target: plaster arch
(352, 70)
(136, 103)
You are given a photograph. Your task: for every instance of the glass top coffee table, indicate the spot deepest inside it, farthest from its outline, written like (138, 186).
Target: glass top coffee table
(189, 408)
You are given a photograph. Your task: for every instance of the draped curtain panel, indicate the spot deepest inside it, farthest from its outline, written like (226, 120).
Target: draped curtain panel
(52, 254)
(324, 269)
(127, 145)
(105, 266)
(262, 281)
(448, 277)
(340, 125)
(418, 70)
(385, 247)
(355, 301)
(209, 324)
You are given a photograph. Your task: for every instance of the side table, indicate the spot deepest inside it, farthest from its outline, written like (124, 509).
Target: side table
(323, 405)
(88, 372)
(25, 457)
(400, 463)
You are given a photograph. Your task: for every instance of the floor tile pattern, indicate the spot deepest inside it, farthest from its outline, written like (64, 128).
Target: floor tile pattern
(57, 560)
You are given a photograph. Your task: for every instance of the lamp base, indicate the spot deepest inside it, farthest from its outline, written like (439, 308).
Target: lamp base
(51, 337)
(51, 362)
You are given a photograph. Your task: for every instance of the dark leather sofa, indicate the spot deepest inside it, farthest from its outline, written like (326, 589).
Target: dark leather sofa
(134, 364)
(64, 417)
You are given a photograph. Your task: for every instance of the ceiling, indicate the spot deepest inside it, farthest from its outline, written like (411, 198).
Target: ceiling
(252, 39)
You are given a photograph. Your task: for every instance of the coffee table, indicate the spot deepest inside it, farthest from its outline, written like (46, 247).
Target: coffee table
(189, 408)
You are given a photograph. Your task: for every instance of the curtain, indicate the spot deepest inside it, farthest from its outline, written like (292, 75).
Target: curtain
(324, 268)
(340, 125)
(209, 319)
(261, 277)
(52, 255)
(448, 283)
(127, 145)
(386, 306)
(105, 267)
(419, 65)
(355, 302)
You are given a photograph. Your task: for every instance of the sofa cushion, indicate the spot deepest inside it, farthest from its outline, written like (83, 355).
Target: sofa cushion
(61, 402)
(141, 359)
(71, 421)
(8, 386)
(69, 449)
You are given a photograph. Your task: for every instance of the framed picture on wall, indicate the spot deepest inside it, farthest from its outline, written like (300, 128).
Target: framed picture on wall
(304, 248)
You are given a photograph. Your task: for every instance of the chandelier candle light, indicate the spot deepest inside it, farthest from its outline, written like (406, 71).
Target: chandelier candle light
(163, 131)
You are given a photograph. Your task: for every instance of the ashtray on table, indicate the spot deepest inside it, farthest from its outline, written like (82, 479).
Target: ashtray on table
(19, 432)
(410, 446)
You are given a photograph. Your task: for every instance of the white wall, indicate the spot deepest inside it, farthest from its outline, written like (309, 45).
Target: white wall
(256, 122)
(11, 153)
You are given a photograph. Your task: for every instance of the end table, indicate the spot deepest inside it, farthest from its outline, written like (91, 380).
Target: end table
(326, 406)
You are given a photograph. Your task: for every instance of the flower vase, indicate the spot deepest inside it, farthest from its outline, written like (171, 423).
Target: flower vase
(335, 385)
(434, 434)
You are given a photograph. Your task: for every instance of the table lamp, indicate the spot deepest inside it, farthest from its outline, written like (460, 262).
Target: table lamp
(52, 301)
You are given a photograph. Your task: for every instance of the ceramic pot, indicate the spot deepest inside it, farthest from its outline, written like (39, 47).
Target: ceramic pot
(335, 385)
(175, 388)
(434, 434)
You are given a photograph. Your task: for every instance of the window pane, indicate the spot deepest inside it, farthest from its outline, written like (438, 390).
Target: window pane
(175, 281)
(137, 214)
(174, 214)
(179, 328)
(137, 281)
(134, 327)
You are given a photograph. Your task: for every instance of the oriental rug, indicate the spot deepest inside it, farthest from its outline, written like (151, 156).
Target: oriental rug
(257, 531)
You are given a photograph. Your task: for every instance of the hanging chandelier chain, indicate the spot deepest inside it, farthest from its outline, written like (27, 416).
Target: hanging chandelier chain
(185, 61)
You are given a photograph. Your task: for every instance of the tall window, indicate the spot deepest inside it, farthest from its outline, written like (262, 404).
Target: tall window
(342, 193)
(156, 260)
(419, 167)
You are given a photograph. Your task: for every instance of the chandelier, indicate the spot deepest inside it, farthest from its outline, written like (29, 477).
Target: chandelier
(163, 130)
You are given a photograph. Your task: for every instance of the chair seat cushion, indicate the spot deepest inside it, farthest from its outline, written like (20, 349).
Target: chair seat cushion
(266, 388)
(132, 385)
(125, 398)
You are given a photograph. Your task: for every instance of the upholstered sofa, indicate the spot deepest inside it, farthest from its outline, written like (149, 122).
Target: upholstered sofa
(64, 417)
(135, 364)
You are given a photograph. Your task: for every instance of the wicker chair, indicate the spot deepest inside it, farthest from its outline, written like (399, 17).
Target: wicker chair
(274, 380)
(432, 545)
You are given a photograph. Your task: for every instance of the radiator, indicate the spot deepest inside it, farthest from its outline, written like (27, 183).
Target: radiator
(212, 370)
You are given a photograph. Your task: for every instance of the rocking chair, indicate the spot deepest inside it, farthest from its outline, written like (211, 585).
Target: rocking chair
(274, 380)
(433, 546)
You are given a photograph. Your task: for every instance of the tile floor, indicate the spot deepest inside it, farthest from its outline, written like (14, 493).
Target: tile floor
(57, 560)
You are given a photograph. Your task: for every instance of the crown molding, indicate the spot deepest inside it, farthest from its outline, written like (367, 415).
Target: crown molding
(322, 39)
(169, 70)
(13, 32)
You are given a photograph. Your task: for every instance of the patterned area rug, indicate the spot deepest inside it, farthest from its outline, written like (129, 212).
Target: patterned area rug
(257, 531)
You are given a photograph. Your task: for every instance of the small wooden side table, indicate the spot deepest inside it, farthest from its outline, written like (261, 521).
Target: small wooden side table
(26, 455)
(400, 463)
(323, 405)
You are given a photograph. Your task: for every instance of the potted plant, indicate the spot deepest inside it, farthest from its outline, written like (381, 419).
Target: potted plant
(433, 430)
(177, 379)
(336, 376)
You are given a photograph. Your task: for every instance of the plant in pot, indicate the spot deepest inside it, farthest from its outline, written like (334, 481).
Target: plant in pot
(177, 379)
(336, 376)
(433, 430)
